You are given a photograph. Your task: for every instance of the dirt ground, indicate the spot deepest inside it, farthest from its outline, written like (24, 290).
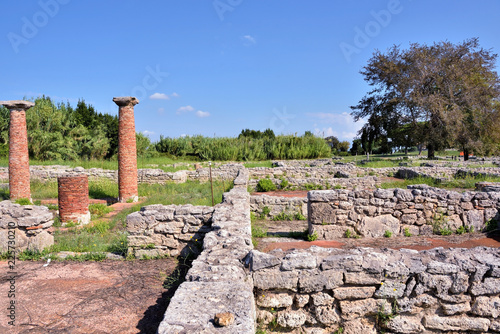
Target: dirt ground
(280, 229)
(88, 297)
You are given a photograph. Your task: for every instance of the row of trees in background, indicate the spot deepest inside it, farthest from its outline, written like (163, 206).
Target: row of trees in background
(61, 132)
(438, 96)
(250, 145)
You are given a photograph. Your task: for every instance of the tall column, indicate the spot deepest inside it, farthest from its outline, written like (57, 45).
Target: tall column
(127, 153)
(19, 166)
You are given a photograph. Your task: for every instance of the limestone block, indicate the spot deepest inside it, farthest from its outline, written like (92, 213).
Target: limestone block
(376, 226)
(354, 292)
(461, 323)
(291, 319)
(275, 300)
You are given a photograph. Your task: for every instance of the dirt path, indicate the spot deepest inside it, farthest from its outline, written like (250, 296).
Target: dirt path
(469, 240)
(87, 297)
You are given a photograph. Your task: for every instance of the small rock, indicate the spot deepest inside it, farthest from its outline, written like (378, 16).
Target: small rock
(224, 319)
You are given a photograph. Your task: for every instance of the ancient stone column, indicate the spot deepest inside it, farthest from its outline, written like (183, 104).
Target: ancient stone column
(73, 198)
(127, 153)
(19, 166)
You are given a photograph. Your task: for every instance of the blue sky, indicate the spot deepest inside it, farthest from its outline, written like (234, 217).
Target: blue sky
(216, 67)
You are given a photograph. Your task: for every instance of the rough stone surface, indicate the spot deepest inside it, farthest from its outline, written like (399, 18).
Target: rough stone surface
(29, 225)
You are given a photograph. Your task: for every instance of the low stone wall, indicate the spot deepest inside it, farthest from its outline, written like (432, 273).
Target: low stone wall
(372, 213)
(217, 285)
(330, 182)
(27, 225)
(371, 291)
(51, 173)
(161, 230)
(277, 205)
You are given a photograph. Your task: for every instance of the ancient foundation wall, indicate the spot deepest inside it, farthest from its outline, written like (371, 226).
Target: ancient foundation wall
(371, 291)
(418, 209)
(161, 230)
(277, 205)
(25, 227)
(217, 287)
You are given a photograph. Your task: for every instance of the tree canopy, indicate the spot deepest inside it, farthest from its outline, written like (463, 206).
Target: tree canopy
(442, 95)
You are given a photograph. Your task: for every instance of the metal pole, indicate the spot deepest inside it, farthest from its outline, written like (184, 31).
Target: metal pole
(211, 183)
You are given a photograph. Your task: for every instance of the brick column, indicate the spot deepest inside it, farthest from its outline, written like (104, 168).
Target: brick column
(19, 166)
(73, 198)
(127, 153)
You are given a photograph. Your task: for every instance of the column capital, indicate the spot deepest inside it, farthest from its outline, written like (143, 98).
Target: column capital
(124, 101)
(17, 104)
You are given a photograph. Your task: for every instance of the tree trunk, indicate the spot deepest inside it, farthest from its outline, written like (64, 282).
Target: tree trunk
(466, 154)
(430, 152)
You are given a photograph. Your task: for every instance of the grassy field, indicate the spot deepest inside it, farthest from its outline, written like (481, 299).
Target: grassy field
(467, 183)
(110, 235)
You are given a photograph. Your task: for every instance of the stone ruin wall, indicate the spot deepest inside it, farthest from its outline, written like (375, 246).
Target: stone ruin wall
(29, 225)
(217, 281)
(369, 291)
(168, 230)
(370, 213)
(277, 205)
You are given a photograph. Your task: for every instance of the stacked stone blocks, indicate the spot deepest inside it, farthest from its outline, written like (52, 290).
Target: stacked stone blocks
(29, 225)
(420, 209)
(168, 230)
(370, 291)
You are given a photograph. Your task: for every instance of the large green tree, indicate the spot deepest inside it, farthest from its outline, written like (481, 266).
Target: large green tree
(444, 95)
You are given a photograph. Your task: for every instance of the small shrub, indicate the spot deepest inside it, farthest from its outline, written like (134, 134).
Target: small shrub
(387, 234)
(348, 233)
(23, 201)
(300, 216)
(99, 210)
(265, 185)
(461, 230)
(308, 175)
(149, 246)
(406, 232)
(130, 200)
(266, 210)
(52, 206)
(283, 216)
(72, 224)
(57, 222)
(312, 237)
(337, 186)
(284, 183)
(445, 231)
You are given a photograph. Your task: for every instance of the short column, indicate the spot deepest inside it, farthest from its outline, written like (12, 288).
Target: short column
(19, 166)
(73, 194)
(127, 152)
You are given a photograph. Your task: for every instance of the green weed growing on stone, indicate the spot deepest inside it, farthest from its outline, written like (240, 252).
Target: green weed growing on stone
(23, 201)
(348, 233)
(312, 237)
(406, 232)
(387, 234)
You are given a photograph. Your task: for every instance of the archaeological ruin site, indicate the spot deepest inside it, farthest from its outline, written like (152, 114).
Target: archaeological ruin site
(235, 287)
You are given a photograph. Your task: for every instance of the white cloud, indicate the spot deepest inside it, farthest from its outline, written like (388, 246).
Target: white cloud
(148, 133)
(159, 96)
(249, 40)
(161, 111)
(184, 109)
(202, 114)
(174, 95)
(342, 125)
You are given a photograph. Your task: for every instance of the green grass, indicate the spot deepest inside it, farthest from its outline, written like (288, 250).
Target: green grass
(99, 210)
(253, 164)
(466, 183)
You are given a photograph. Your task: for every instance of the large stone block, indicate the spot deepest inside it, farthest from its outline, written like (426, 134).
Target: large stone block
(375, 227)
